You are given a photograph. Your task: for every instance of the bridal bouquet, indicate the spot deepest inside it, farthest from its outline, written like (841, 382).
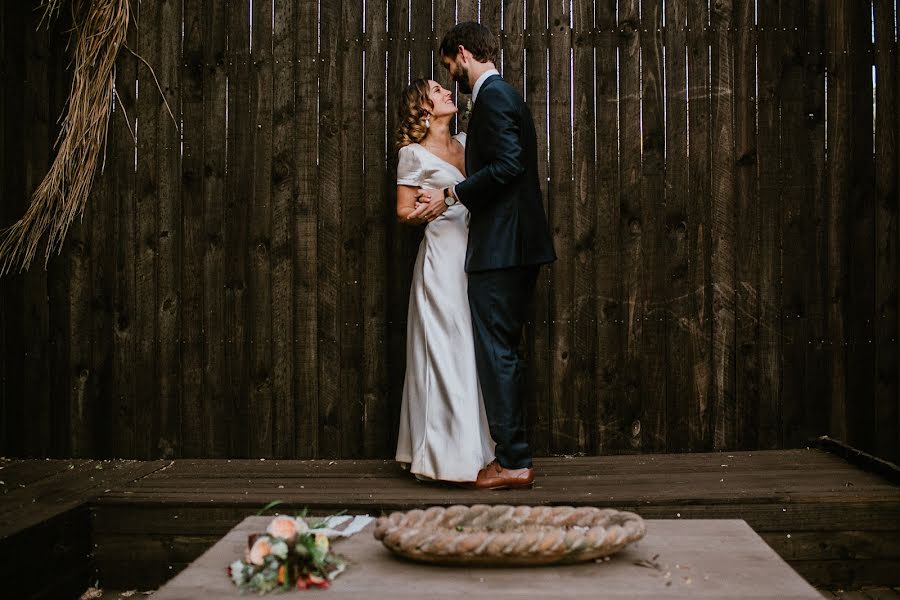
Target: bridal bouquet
(290, 554)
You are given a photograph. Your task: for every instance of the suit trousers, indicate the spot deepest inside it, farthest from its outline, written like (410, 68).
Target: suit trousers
(499, 301)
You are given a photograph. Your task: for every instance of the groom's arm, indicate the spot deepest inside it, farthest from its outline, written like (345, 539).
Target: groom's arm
(502, 150)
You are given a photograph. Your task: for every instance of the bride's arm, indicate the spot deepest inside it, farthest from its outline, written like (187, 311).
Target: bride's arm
(407, 213)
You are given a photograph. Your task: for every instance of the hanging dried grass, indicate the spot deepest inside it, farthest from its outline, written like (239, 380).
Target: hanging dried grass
(63, 193)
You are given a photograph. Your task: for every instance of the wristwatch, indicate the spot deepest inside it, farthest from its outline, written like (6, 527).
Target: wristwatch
(449, 199)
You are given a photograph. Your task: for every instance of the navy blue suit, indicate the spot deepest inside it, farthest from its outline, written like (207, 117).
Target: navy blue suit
(508, 241)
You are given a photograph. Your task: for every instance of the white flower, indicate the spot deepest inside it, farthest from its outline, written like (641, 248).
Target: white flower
(280, 549)
(236, 571)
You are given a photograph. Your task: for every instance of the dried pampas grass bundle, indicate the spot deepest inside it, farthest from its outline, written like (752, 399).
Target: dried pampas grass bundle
(100, 29)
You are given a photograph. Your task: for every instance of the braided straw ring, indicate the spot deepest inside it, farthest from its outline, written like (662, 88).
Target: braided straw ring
(508, 535)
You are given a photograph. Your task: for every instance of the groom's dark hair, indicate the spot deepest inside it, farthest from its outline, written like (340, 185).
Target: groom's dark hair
(474, 37)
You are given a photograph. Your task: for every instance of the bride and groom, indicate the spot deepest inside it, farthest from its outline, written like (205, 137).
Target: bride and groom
(478, 194)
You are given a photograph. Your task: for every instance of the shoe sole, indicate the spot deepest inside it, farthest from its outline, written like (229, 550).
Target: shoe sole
(507, 486)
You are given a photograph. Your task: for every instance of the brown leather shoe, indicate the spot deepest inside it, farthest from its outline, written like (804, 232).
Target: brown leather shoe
(495, 477)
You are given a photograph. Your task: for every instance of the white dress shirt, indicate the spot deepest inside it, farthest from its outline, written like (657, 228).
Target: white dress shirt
(480, 81)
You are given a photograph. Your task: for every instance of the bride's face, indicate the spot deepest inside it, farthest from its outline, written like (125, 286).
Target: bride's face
(441, 99)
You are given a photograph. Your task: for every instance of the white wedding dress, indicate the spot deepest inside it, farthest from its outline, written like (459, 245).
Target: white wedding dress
(443, 427)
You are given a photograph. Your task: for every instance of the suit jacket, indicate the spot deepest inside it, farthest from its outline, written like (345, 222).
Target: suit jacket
(507, 224)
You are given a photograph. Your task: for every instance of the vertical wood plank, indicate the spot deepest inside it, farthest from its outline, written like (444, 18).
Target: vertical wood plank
(490, 16)
(537, 330)
(466, 10)
(444, 20)
(407, 240)
(762, 221)
(680, 381)
(722, 224)
(861, 280)
(513, 44)
(146, 238)
(238, 190)
(121, 162)
(583, 360)
(167, 28)
(13, 167)
(377, 142)
(750, 323)
(887, 201)
(329, 233)
(700, 319)
(259, 292)
(839, 152)
(653, 337)
(635, 272)
(192, 332)
(36, 145)
(79, 425)
(305, 288)
(6, 403)
(399, 237)
(796, 168)
(610, 309)
(567, 432)
(897, 167)
(353, 231)
(284, 192)
(421, 51)
(102, 203)
(816, 387)
(215, 408)
(75, 266)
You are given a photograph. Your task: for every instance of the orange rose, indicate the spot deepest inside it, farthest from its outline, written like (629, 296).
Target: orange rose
(286, 527)
(282, 574)
(260, 550)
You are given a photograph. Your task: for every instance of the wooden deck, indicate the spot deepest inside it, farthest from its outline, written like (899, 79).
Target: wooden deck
(836, 524)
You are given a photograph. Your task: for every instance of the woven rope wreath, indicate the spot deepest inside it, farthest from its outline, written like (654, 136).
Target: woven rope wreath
(508, 535)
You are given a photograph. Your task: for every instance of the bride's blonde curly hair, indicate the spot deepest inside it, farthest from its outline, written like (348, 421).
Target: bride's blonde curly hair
(412, 113)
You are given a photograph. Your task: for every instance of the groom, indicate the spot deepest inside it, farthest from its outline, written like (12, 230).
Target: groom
(508, 240)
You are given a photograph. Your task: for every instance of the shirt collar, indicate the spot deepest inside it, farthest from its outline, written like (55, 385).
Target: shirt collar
(481, 81)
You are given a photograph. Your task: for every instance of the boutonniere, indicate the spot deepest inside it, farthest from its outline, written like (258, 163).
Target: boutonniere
(467, 109)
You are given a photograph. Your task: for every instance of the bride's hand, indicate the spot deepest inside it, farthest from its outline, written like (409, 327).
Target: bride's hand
(415, 217)
(432, 203)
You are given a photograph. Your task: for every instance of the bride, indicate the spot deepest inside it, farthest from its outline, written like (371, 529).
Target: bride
(444, 432)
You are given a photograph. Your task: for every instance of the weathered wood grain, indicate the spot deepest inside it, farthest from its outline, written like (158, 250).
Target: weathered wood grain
(215, 412)
(241, 289)
(567, 430)
(652, 420)
(700, 286)
(376, 425)
(261, 310)
(537, 328)
(305, 226)
(237, 243)
(887, 233)
(285, 186)
(193, 240)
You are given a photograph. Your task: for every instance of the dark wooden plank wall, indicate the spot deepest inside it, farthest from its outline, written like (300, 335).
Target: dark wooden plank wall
(721, 180)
